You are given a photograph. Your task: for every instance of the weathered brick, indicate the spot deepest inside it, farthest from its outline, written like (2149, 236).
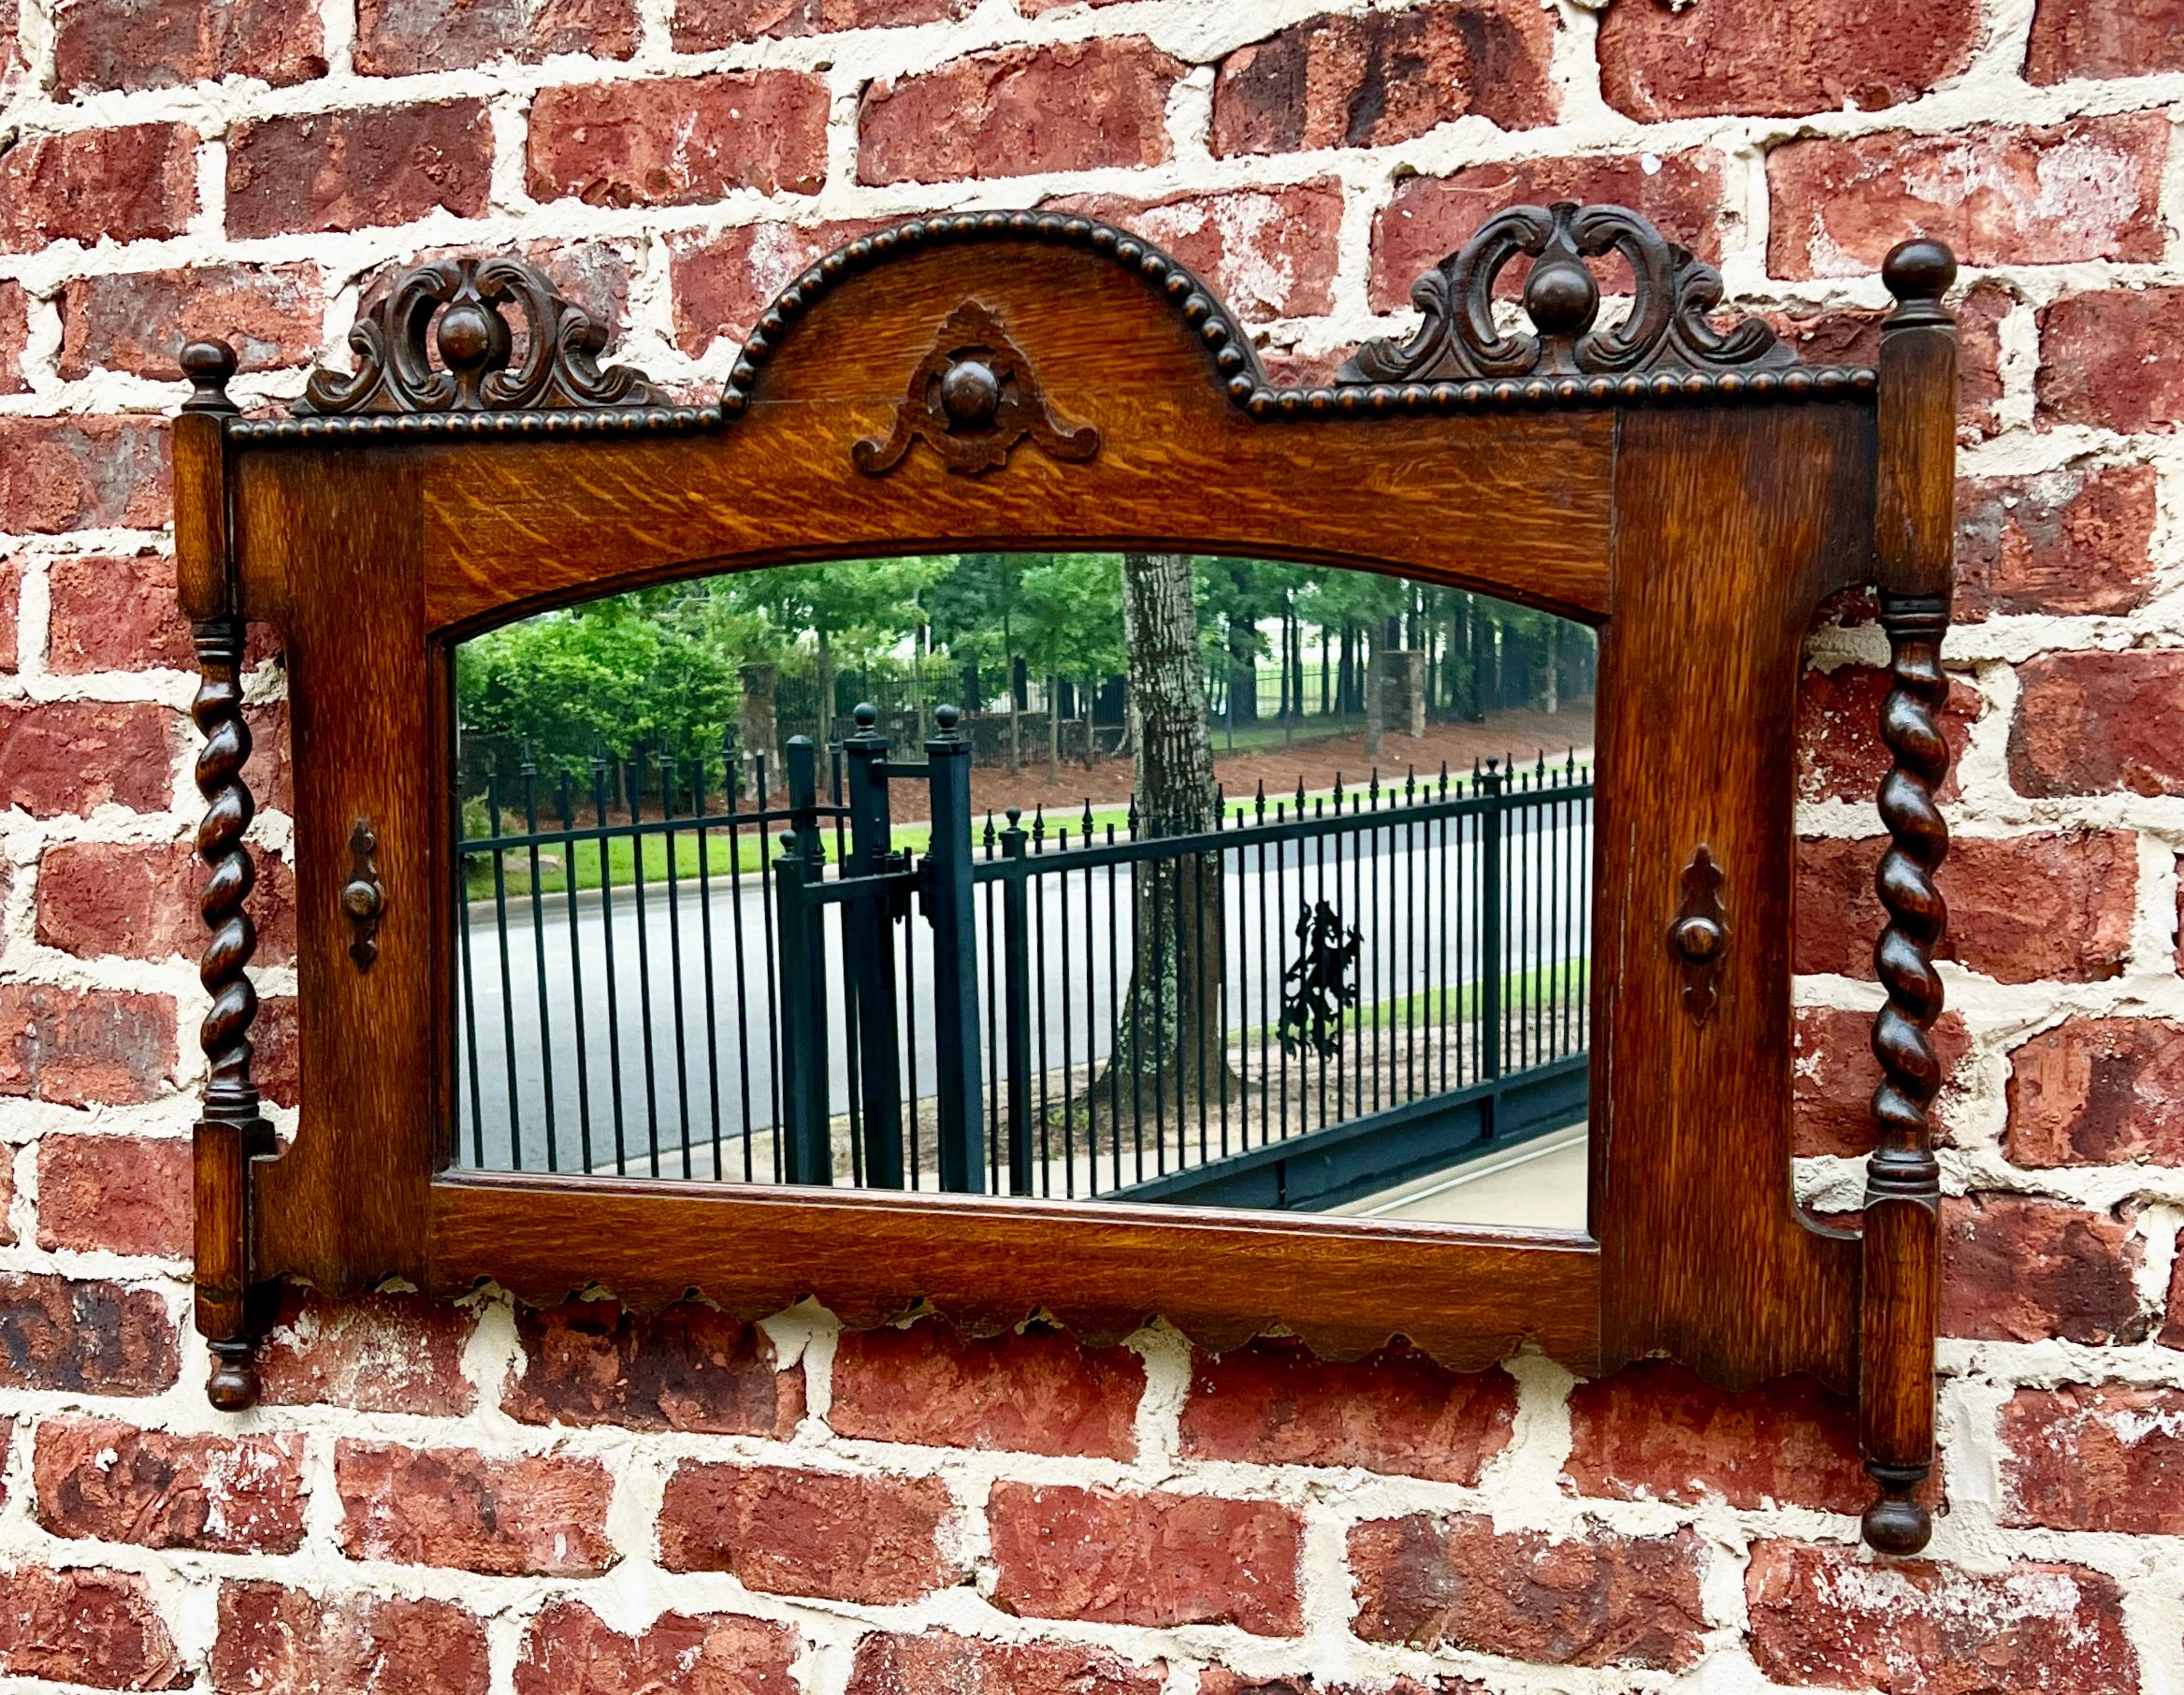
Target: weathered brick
(2066, 541)
(278, 1069)
(568, 1649)
(140, 901)
(1116, 1557)
(87, 1338)
(2086, 1457)
(355, 170)
(110, 44)
(379, 1352)
(83, 473)
(1835, 1074)
(269, 771)
(10, 609)
(1076, 106)
(970, 1665)
(679, 142)
(273, 316)
(787, 1531)
(409, 37)
(1598, 1599)
(2022, 909)
(1220, 1680)
(124, 1193)
(2098, 1091)
(2019, 1270)
(1427, 218)
(85, 1624)
(1271, 253)
(1825, 1617)
(1040, 1393)
(78, 1047)
(14, 334)
(723, 282)
(1659, 60)
(2088, 189)
(2072, 38)
(1371, 78)
(126, 184)
(1840, 756)
(277, 1641)
(2114, 360)
(1656, 1431)
(102, 1478)
(690, 1367)
(537, 1516)
(2096, 723)
(76, 756)
(1842, 336)
(1273, 1403)
(115, 614)
(2172, 1334)
(701, 25)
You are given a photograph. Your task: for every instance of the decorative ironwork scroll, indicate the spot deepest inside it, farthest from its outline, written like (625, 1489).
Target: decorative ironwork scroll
(972, 399)
(1323, 981)
(476, 370)
(1667, 328)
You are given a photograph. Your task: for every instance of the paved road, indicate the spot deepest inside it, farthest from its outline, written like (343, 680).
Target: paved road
(698, 973)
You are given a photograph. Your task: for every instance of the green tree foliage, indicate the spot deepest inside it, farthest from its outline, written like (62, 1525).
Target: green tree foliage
(657, 669)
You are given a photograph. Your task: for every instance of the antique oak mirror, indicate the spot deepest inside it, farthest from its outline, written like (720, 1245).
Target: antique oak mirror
(772, 1005)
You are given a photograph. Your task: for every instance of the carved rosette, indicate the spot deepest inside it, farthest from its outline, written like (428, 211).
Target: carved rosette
(972, 398)
(1667, 327)
(458, 308)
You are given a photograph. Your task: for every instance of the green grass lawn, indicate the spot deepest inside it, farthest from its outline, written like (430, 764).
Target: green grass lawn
(720, 856)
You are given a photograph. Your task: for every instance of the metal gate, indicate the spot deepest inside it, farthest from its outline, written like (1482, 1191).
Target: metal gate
(1461, 909)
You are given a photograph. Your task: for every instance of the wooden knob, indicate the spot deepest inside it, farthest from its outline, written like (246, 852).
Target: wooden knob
(1697, 938)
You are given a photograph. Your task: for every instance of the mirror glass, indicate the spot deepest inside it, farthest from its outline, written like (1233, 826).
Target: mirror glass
(1132, 877)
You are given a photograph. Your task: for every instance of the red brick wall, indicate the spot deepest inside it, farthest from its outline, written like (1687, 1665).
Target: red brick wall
(448, 1500)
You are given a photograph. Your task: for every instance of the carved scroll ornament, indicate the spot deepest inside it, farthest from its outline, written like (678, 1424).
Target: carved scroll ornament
(1667, 327)
(476, 372)
(972, 399)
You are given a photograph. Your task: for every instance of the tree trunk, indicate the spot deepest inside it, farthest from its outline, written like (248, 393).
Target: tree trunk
(1053, 728)
(1552, 703)
(1167, 1050)
(826, 683)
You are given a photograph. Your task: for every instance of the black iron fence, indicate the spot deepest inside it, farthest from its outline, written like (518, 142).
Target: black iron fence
(1313, 998)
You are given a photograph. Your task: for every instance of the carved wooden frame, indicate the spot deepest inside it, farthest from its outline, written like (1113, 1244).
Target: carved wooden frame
(1694, 492)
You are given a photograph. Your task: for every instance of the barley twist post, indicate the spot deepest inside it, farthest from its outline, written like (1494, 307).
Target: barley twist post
(1914, 542)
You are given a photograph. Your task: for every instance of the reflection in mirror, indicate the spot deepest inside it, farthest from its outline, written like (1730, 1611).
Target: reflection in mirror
(1102, 877)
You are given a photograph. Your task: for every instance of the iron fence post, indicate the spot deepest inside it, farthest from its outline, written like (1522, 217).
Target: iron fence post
(959, 1070)
(867, 928)
(1016, 1000)
(807, 1152)
(1490, 1011)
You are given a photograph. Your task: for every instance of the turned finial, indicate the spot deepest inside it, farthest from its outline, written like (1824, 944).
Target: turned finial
(232, 1385)
(1918, 273)
(208, 365)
